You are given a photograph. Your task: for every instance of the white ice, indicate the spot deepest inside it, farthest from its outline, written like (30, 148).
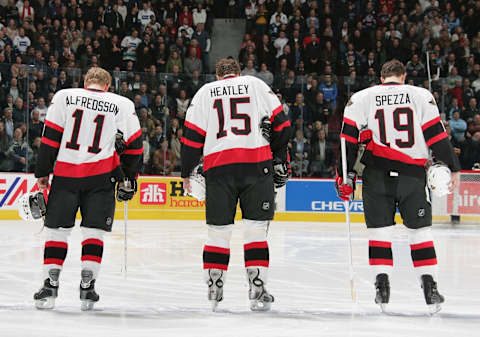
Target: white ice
(164, 293)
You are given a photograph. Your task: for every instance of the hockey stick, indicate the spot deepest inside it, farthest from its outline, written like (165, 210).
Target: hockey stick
(347, 220)
(125, 216)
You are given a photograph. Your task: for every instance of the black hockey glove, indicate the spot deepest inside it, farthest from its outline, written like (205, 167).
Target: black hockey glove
(266, 128)
(120, 145)
(281, 173)
(126, 189)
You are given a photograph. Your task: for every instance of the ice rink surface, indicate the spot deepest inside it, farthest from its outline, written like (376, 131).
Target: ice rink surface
(164, 293)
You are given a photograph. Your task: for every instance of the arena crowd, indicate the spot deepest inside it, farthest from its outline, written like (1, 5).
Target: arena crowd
(314, 54)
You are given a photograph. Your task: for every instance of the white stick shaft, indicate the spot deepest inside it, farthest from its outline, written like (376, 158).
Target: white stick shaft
(125, 217)
(347, 218)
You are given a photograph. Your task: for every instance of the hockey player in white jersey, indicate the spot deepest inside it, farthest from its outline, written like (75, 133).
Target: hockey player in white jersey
(85, 132)
(224, 123)
(399, 124)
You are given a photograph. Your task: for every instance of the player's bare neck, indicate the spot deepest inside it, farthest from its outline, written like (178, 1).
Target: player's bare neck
(393, 80)
(95, 87)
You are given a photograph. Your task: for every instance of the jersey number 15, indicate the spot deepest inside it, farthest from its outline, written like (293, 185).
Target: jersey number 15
(218, 105)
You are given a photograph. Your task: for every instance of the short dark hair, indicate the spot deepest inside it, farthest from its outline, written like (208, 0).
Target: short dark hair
(392, 68)
(227, 66)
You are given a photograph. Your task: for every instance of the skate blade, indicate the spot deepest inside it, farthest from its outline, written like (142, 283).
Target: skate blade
(45, 303)
(434, 308)
(383, 307)
(260, 306)
(87, 305)
(214, 305)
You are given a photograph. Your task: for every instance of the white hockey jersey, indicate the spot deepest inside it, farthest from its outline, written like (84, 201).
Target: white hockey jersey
(223, 124)
(403, 123)
(78, 142)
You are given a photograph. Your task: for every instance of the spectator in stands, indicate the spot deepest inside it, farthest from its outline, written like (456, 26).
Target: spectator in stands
(265, 75)
(321, 156)
(471, 151)
(415, 68)
(300, 110)
(162, 161)
(203, 39)
(157, 139)
(299, 154)
(199, 14)
(192, 63)
(129, 45)
(471, 110)
(146, 122)
(5, 142)
(19, 151)
(474, 125)
(280, 42)
(175, 145)
(174, 60)
(35, 127)
(182, 102)
(330, 91)
(249, 69)
(458, 126)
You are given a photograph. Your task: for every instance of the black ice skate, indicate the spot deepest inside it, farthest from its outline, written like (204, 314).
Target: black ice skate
(88, 296)
(45, 297)
(260, 299)
(382, 285)
(432, 296)
(215, 286)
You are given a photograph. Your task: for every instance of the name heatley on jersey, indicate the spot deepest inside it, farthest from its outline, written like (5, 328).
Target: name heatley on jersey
(79, 136)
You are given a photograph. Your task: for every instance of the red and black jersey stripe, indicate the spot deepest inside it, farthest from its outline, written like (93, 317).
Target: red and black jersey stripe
(130, 159)
(256, 254)
(423, 254)
(350, 131)
(380, 253)
(192, 147)
(437, 139)
(49, 147)
(281, 132)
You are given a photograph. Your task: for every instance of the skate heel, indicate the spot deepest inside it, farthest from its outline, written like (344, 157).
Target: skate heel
(215, 287)
(45, 297)
(88, 296)
(432, 296)
(260, 299)
(382, 286)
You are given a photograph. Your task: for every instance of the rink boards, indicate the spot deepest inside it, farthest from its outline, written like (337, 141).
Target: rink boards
(162, 198)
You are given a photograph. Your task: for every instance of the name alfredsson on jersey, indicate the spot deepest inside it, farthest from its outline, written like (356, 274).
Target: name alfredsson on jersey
(240, 89)
(392, 99)
(92, 104)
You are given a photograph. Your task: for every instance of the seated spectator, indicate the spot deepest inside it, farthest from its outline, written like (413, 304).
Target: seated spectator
(174, 60)
(265, 75)
(35, 150)
(192, 63)
(474, 125)
(146, 121)
(162, 161)
(19, 111)
(458, 126)
(36, 126)
(280, 42)
(318, 109)
(6, 164)
(8, 121)
(194, 84)
(471, 151)
(415, 68)
(157, 139)
(19, 151)
(182, 104)
(299, 155)
(300, 110)
(249, 69)
(452, 108)
(330, 91)
(176, 146)
(321, 156)
(199, 14)
(471, 110)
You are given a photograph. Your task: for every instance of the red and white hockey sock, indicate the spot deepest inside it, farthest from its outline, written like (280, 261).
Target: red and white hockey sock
(423, 253)
(55, 251)
(92, 250)
(216, 252)
(380, 255)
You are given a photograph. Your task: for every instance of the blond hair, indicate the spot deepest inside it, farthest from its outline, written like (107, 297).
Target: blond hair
(97, 75)
(227, 66)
